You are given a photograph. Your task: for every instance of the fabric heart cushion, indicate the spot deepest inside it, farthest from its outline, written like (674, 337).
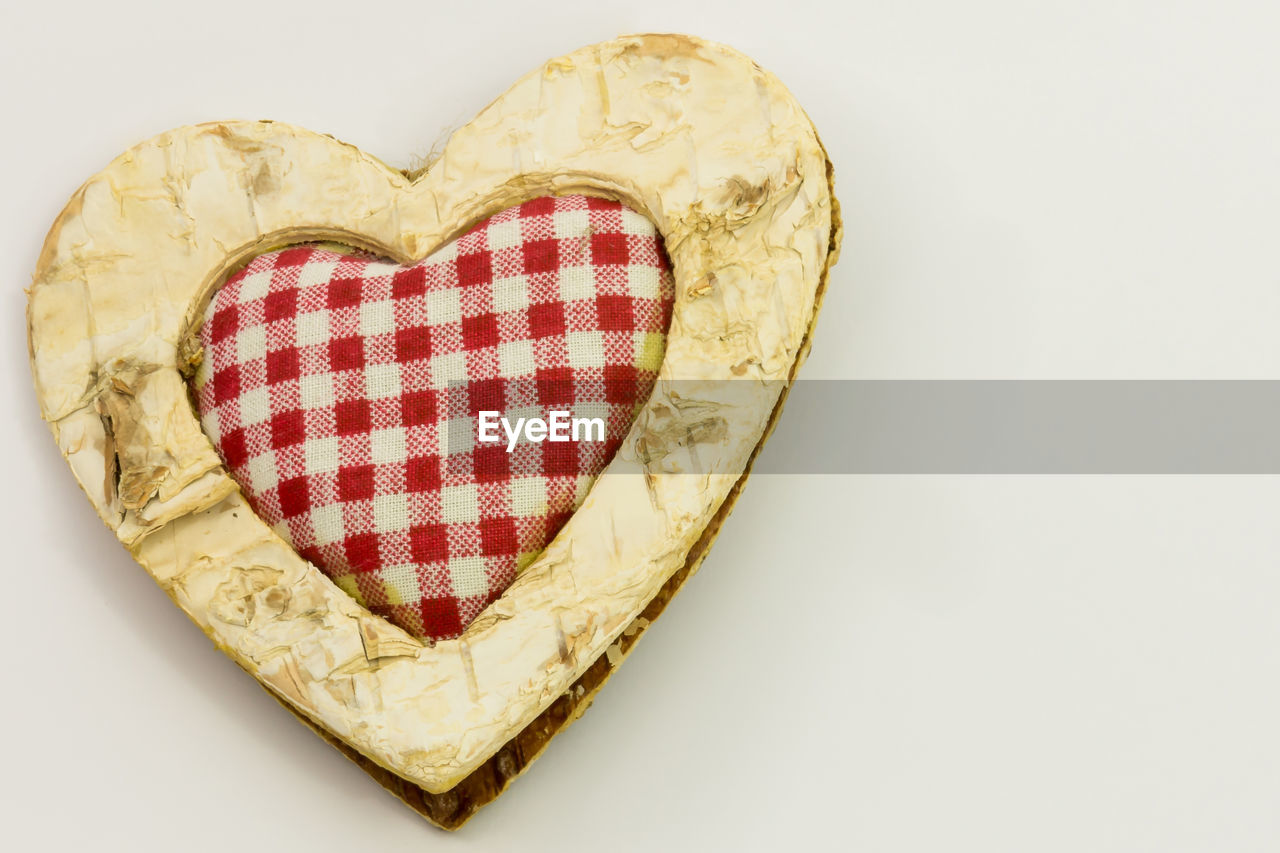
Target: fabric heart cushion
(344, 392)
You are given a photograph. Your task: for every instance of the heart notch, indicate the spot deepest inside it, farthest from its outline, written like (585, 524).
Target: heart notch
(691, 135)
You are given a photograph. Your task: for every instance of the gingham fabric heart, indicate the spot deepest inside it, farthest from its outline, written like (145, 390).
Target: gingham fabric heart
(343, 392)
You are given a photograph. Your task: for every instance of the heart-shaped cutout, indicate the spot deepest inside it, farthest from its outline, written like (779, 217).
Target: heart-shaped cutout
(345, 393)
(706, 145)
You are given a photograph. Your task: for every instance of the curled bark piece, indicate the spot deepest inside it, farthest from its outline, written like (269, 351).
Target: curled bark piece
(694, 135)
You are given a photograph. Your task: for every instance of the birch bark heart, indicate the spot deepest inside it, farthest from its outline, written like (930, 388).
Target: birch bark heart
(708, 146)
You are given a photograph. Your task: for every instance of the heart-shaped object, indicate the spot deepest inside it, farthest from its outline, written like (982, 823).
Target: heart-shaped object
(694, 136)
(332, 383)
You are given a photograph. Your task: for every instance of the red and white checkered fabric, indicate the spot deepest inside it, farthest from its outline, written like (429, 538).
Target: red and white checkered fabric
(342, 391)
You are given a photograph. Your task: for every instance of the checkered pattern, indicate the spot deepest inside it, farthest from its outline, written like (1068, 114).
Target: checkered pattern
(343, 391)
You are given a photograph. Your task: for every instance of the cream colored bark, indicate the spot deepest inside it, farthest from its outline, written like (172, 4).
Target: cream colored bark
(713, 149)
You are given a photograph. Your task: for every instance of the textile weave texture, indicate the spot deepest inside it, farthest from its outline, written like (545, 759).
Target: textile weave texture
(343, 393)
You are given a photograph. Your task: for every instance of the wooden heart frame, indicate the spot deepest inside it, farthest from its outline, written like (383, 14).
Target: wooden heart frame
(694, 135)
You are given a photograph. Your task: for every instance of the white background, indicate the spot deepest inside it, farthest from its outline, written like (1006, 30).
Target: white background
(1085, 189)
